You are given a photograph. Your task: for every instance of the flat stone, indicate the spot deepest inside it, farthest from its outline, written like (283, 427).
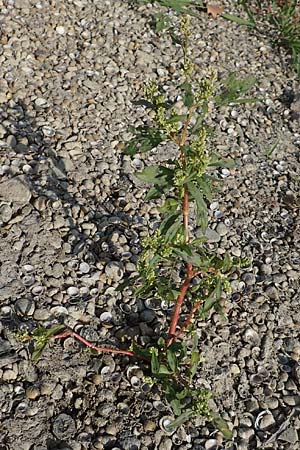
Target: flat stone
(289, 435)
(15, 190)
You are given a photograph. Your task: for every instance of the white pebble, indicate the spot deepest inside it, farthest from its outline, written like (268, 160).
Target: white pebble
(60, 30)
(27, 168)
(84, 267)
(28, 268)
(72, 291)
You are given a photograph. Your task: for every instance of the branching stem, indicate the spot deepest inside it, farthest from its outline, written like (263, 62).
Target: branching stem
(88, 344)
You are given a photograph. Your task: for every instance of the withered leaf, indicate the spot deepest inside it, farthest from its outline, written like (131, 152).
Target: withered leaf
(215, 10)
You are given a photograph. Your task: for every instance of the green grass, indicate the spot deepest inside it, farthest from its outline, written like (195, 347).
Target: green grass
(283, 16)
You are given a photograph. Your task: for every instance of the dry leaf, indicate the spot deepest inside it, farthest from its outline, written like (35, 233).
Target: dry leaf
(214, 10)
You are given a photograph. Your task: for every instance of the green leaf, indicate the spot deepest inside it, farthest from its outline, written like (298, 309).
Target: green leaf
(154, 363)
(146, 139)
(172, 360)
(186, 415)
(143, 352)
(54, 330)
(199, 122)
(204, 185)
(158, 175)
(177, 118)
(168, 221)
(38, 350)
(221, 425)
(170, 205)
(238, 20)
(163, 370)
(172, 231)
(154, 192)
(215, 161)
(176, 406)
(202, 214)
(188, 98)
(195, 359)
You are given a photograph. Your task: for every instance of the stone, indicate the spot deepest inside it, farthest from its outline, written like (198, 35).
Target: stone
(221, 229)
(15, 190)
(114, 270)
(64, 427)
(289, 435)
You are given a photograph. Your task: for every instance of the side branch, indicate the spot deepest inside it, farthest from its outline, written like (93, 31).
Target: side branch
(88, 344)
(188, 320)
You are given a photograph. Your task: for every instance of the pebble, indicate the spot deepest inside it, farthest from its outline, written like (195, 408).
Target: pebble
(114, 270)
(289, 435)
(84, 267)
(72, 291)
(15, 190)
(64, 427)
(221, 229)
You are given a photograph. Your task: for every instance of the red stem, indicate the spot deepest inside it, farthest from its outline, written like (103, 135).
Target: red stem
(94, 347)
(188, 320)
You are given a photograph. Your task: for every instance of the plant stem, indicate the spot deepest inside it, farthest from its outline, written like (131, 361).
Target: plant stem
(185, 214)
(77, 336)
(188, 320)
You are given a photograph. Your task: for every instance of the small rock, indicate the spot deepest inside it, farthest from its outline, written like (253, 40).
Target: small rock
(24, 307)
(32, 393)
(251, 336)
(292, 400)
(60, 30)
(11, 141)
(114, 270)
(84, 267)
(212, 235)
(5, 213)
(15, 190)
(266, 421)
(72, 291)
(289, 435)
(64, 427)
(221, 229)
(272, 292)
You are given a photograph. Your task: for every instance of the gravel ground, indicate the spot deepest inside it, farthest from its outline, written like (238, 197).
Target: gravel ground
(72, 215)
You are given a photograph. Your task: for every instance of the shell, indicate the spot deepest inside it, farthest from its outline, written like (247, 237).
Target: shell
(164, 424)
(153, 304)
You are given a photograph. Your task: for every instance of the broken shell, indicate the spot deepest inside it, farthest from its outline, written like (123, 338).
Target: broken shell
(159, 406)
(211, 444)
(164, 424)
(147, 407)
(264, 420)
(135, 382)
(134, 371)
(153, 304)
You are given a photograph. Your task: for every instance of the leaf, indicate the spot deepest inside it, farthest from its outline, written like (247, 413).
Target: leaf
(199, 122)
(188, 98)
(176, 406)
(145, 140)
(154, 363)
(238, 20)
(54, 330)
(214, 10)
(158, 175)
(202, 214)
(186, 415)
(195, 359)
(172, 360)
(154, 192)
(221, 425)
(171, 204)
(168, 222)
(163, 370)
(215, 161)
(171, 233)
(38, 351)
(177, 118)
